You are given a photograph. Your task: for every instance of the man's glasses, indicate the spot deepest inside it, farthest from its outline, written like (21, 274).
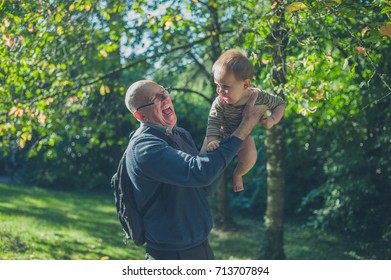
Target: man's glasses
(158, 98)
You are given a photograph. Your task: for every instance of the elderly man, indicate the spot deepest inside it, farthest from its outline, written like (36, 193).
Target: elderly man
(167, 163)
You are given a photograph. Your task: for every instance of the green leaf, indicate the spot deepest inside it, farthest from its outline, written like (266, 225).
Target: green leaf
(385, 10)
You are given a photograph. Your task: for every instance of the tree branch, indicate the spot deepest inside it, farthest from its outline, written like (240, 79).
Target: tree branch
(195, 92)
(200, 65)
(143, 59)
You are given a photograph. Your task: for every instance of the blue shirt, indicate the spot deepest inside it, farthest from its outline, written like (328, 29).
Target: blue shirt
(180, 217)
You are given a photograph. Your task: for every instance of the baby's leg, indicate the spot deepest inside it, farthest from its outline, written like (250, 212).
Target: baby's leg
(247, 158)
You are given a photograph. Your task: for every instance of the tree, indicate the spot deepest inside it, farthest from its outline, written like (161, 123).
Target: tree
(272, 247)
(56, 57)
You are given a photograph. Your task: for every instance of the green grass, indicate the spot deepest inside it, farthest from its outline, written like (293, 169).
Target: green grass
(44, 224)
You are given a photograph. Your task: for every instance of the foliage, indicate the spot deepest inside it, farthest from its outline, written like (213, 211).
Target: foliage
(351, 112)
(57, 101)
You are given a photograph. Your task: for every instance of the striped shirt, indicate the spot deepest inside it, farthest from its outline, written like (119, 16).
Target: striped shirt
(225, 118)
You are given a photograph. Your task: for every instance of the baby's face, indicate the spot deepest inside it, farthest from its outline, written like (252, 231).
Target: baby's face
(228, 87)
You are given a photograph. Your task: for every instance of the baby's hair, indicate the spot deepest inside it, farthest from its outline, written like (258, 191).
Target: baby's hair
(236, 62)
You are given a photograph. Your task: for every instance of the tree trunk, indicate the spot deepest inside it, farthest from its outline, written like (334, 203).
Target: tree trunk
(223, 215)
(273, 243)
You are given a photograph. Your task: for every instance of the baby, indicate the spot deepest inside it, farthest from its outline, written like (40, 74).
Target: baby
(233, 73)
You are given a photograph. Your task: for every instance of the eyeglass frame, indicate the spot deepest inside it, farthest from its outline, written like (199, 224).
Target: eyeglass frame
(161, 96)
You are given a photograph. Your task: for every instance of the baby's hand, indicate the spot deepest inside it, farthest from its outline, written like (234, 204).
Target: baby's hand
(264, 108)
(213, 145)
(268, 122)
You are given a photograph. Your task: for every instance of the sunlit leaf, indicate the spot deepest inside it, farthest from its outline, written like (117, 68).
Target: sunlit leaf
(364, 30)
(103, 53)
(12, 111)
(295, 6)
(88, 5)
(60, 30)
(319, 95)
(49, 100)
(346, 63)
(266, 58)
(41, 118)
(265, 61)
(8, 40)
(168, 24)
(385, 30)
(104, 89)
(361, 50)
(22, 143)
(303, 112)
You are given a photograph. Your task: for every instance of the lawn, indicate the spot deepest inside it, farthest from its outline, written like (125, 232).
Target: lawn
(44, 224)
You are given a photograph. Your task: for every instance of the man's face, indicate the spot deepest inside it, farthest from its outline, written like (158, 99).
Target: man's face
(228, 87)
(156, 106)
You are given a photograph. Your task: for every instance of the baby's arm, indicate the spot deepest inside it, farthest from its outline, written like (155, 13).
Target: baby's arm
(276, 105)
(274, 118)
(213, 145)
(213, 142)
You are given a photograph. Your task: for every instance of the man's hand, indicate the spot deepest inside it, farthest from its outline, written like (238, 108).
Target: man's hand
(250, 118)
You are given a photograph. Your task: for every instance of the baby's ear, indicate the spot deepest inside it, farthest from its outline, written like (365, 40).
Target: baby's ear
(247, 83)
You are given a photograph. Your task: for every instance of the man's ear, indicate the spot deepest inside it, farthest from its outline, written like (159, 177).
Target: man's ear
(138, 116)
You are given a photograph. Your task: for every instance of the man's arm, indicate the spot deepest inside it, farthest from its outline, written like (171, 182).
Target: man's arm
(156, 160)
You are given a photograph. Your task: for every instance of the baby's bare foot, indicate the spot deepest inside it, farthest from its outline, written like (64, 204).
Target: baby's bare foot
(237, 183)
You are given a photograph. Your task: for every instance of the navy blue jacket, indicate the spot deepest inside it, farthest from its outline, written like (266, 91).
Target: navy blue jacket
(180, 217)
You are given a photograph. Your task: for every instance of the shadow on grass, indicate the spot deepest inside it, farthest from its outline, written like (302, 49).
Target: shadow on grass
(236, 242)
(60, 209)
(47, 224)
(300, 243)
